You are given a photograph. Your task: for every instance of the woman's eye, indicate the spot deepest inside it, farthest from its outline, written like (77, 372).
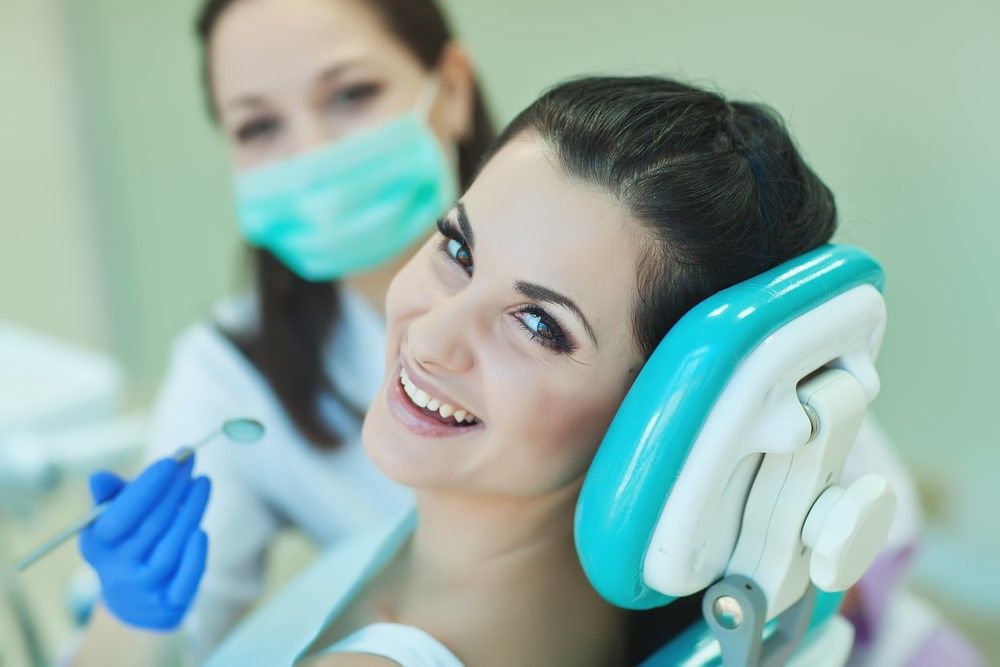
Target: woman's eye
(259, 128)
(355, 95)
(460, 254)
(537, 325)
(544, 329)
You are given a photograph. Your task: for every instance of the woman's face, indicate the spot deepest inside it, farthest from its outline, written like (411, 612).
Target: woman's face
(292, 75)
(518, 313)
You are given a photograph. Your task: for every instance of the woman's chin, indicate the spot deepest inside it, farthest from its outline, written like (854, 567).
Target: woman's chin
(411, 460)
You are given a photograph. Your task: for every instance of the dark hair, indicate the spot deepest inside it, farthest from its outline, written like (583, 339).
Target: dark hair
(295, 315)
(719, 186)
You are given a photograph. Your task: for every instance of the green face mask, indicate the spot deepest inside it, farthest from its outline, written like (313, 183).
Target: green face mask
(352, 204)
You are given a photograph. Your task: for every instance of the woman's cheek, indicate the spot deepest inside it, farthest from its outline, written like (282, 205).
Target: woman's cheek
(567, 428)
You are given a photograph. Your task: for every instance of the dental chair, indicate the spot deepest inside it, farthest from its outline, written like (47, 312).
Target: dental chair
(721, 469)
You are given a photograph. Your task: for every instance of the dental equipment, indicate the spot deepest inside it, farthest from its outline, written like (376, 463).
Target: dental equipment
(721, 469)
(243, 430)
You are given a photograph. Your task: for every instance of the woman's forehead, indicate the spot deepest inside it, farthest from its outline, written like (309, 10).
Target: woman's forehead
(525, 185)
(271, 45)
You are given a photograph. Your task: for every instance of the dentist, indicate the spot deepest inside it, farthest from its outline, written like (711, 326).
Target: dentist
(352, 125)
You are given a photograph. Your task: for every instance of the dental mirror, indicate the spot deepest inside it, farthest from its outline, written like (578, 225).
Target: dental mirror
(243, 430)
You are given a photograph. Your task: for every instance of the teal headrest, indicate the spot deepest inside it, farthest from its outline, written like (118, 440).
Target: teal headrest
(649, 439)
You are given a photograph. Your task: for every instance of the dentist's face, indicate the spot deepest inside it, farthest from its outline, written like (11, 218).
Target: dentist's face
(515, 317)
(289, 76)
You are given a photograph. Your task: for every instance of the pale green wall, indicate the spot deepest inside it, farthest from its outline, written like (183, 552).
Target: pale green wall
(161, 175)
(50, 275)
(895, 103)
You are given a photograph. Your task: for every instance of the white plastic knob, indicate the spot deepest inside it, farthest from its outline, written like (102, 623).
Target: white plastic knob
(846, 529)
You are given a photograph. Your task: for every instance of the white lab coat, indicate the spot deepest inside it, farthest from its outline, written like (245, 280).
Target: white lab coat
(281, 481)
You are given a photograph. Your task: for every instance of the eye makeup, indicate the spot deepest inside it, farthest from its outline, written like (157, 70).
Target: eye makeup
(454, 245)
(537, 324)
(353, 96)
(544, 329)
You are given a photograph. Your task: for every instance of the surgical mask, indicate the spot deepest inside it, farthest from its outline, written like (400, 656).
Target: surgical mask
(353, 204)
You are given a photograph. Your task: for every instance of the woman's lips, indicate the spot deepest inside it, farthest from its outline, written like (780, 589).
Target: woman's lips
(418, 420)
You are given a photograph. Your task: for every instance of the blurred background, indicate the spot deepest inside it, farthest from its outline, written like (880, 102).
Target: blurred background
(116, 227)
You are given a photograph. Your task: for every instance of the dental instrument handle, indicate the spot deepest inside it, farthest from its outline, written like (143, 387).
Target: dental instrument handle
(60, 537)
(183, 454)
(69, 531)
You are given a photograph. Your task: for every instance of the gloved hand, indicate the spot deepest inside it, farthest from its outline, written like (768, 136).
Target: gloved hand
(147, 548)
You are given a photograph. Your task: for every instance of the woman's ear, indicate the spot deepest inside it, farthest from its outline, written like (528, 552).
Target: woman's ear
(453, 111)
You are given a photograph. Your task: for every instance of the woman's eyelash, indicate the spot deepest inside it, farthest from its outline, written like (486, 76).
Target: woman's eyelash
(461, 256)
(356, 93)
(557, 340)
(256, 129)
(448, 230)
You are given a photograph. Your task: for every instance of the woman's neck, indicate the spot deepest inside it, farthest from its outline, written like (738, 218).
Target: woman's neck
(488, 536)
(510, 563)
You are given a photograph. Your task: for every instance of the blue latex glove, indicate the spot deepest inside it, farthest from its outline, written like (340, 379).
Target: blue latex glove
(147, 547)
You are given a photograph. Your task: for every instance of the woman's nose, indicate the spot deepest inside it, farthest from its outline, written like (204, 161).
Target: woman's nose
(439, 338)
(309, 133)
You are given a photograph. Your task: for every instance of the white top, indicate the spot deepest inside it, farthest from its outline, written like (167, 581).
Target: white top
(282, 480)
(404, 644)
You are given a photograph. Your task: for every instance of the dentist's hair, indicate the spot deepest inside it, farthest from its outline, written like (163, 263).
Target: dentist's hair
(296, 316)
(719, 185)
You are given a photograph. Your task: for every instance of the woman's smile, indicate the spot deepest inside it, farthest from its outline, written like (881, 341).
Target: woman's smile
(425, 410)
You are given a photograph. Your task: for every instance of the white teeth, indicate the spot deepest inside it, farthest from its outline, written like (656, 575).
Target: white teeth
(421, 398)
(424, 400)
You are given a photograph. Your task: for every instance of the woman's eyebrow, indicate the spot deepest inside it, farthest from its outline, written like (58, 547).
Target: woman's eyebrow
(539, 293)
(337, 69)
(245, 101)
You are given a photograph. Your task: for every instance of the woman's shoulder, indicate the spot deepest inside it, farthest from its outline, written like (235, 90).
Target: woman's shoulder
(356, 340)
(206, 353)
(212, 336)
(207, 379)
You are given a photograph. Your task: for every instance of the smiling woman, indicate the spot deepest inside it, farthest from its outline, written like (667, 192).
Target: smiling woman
(608, 208)
(504, 314)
